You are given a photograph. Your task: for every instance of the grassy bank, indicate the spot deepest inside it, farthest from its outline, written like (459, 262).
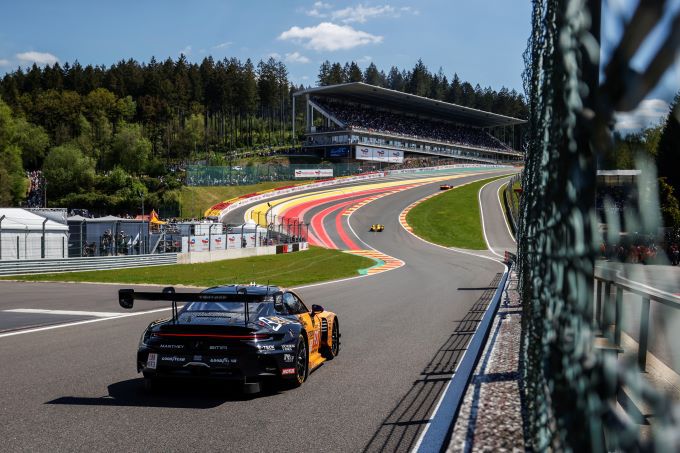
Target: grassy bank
(195, 200)
(451, 219)
(314, 265)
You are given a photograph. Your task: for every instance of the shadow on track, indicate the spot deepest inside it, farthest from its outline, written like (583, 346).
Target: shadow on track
(184, 394)
(400, 429)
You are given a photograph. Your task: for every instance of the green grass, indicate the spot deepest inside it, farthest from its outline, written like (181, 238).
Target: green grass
(451, 219)
(293, 269)
(195, 200)
(515, 199)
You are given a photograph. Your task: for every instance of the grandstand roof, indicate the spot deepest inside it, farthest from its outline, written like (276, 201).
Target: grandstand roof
(368, 94)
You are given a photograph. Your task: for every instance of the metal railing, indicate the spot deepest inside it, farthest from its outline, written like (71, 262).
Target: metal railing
(42, 266)
(609, 314)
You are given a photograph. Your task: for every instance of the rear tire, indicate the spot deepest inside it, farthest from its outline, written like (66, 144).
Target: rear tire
(329, 353)
(150, 384)
(301, 365)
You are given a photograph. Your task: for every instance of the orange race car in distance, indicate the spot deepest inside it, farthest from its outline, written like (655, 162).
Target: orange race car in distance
(243, 333)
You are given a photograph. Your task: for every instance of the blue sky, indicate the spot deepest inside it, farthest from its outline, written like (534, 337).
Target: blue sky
(481, 40)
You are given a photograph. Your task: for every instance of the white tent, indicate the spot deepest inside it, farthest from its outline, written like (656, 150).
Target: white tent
(22, 234)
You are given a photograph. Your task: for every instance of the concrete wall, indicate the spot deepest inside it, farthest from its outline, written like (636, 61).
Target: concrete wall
(230, 254)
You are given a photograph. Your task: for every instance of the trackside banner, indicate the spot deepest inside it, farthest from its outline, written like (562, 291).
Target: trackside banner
(379, 155)
(314, 173)
(443, 167)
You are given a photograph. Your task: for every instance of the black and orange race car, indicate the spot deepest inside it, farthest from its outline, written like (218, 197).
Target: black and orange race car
(445, 187)
(246, 333)
(377, 227)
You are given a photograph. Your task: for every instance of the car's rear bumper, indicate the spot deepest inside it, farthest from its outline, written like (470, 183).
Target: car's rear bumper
(235, 368)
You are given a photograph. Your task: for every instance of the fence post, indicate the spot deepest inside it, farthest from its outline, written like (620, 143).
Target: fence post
(598, 304)
(1, 219)
(62, 246)
(81, 237)
(606, 312)
(644, 334)
(210, 237)
(617, 316)
(18, 248)
(42, 240)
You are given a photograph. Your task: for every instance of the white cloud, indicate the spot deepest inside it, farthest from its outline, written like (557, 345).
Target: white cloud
(296, 57)
(329, 37)
(223, 45)
(274, 55)
(317, 9)
(361, 13)
(186, 51)
(364, 59)
(650, 112)
(4, 62)
(39, 58)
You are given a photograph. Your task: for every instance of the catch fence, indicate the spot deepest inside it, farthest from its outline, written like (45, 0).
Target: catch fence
(572, 368)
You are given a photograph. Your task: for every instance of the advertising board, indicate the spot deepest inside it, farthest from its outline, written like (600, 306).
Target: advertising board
(379, 155)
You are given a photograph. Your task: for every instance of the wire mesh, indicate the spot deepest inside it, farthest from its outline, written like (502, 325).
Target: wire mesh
(572, 370)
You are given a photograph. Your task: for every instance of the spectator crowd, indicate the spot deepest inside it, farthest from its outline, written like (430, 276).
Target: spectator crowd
(36, 189)
(364, 118)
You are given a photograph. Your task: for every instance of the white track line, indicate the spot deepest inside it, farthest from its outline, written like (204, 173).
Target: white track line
(78, 323)
(505, 214)
(96, 314)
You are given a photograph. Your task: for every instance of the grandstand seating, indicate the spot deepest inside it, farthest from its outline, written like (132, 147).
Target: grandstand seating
(358, 117)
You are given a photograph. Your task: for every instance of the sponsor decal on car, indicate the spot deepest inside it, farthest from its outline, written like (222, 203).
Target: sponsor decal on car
(265, 347)
(288, 357)
(222, 360)
(151, 361)
(274, 322)
(315, 340)
(172, 358)
(171, 346)
(288, 347)
(218, 348)
(285, 371)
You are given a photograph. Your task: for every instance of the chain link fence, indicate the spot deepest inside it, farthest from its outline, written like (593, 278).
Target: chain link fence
(573, 364)
(226, 176)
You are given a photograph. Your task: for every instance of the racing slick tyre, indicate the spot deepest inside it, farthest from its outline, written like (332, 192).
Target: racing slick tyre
(150, 384)
(330, 353)
(301, 364)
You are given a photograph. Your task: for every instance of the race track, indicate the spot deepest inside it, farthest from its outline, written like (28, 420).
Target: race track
(75, 388)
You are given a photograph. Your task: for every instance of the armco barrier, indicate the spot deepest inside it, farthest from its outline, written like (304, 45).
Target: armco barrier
(22, 267)
(437, 432)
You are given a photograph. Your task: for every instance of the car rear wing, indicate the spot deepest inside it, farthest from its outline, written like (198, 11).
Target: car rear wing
(126, 298)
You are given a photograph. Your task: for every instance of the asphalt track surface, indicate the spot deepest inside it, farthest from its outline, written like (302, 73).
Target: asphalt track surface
(75, 388)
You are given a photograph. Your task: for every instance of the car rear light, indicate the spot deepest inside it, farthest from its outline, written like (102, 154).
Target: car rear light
(253, 336)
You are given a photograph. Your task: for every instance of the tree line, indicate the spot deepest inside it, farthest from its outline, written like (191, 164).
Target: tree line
(661, 144)
(107, 136)
(420, 81)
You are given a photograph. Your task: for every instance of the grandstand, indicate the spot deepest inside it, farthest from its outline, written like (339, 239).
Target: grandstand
(357, 121)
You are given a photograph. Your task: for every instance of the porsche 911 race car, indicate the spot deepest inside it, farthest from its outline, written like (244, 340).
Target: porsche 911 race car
(445, 187)
(245, 333)
(377, 227)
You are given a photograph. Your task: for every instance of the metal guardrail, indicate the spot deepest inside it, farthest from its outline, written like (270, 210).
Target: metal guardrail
(605, 319)
(436, 434)
(22, 267)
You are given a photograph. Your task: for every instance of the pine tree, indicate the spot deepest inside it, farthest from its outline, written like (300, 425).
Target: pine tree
(668, 153)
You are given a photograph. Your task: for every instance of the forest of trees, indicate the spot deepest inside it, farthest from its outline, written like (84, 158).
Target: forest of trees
(106, 136)
(661, 144)
(420, 81)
